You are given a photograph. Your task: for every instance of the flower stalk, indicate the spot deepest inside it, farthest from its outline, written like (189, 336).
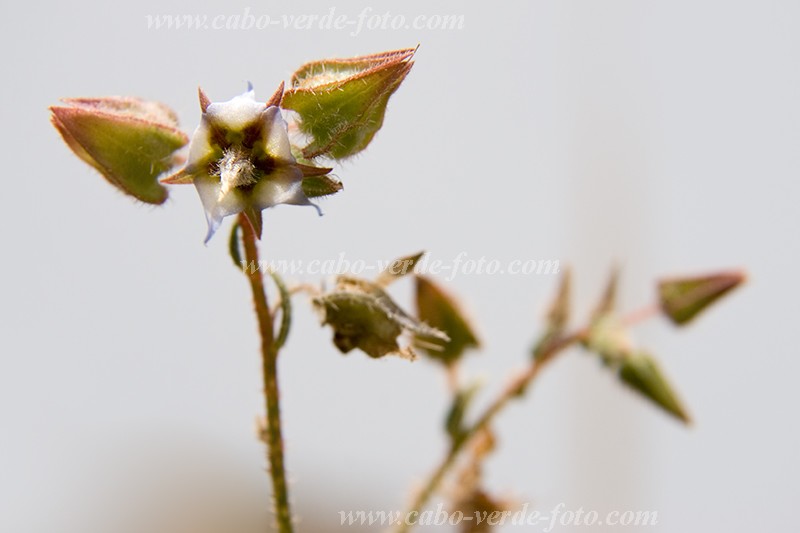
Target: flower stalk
(272, 433)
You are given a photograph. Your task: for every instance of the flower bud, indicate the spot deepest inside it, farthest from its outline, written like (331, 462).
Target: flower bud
(682, 299)
(640, 372)
(364, 316)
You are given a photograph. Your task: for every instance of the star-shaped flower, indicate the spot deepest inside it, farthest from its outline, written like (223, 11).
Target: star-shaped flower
(240, 160)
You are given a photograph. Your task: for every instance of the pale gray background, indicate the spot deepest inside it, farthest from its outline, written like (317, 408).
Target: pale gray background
(661, 135)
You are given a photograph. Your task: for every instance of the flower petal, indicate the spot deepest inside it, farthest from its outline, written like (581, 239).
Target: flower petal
(277, 136)
(217, 206)
(236, 113)
(200, 148)
(283, 186)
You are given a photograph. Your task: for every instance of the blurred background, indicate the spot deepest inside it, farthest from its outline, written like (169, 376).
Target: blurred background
(660, 136)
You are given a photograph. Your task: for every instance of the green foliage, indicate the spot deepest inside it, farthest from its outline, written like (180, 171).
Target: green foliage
(438, 309)
(234, 250)
(454, 420)
(129, 141)
(242, 161)
(342, 102)
(286, 310)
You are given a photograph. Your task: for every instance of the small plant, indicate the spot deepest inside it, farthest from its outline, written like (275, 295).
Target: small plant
(247, 155)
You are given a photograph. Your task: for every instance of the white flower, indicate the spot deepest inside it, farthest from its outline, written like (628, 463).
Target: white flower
(240, 160)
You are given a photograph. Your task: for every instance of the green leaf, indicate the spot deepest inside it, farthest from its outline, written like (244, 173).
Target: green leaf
(324, 71)
(440, 310)
(341, 102)
(641, 373)
(129, 141)
(286, 310)
(234, 249)
(454, 421)
(684, 298)
(398, 268)
(363, 316)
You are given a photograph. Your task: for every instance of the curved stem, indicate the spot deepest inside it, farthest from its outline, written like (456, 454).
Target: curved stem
(515, 389)
(269, 356)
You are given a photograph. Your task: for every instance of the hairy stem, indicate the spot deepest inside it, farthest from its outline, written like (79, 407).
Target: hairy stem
(269, 356)
(516, 388)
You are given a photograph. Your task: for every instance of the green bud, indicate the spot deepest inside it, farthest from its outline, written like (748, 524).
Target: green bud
(129, 141)
(316, 186)
(341, 102)
(684, 298)
(641, 373)
(454, 421)
(440, 310)
(608, 300)
(608, 339)
(607, 336)
(557, 317)
(398, 268)
(364, 316)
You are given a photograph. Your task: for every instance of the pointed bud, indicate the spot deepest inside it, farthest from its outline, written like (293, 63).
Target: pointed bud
(316, 186)
(641, 373)
(276, 97)
(128, 140)
(557, 317)
(398, 268)
(341, 102)
(363, 316)
(454, 421)
(608, 339)
(608, 300)
(205, 101)
(440, 310)
(607, 336)
(684, 298)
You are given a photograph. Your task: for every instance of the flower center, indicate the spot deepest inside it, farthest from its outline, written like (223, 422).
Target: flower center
(235, 171)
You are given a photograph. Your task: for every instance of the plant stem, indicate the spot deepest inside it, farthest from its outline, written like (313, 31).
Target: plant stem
(269, 356)
(516, 388)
